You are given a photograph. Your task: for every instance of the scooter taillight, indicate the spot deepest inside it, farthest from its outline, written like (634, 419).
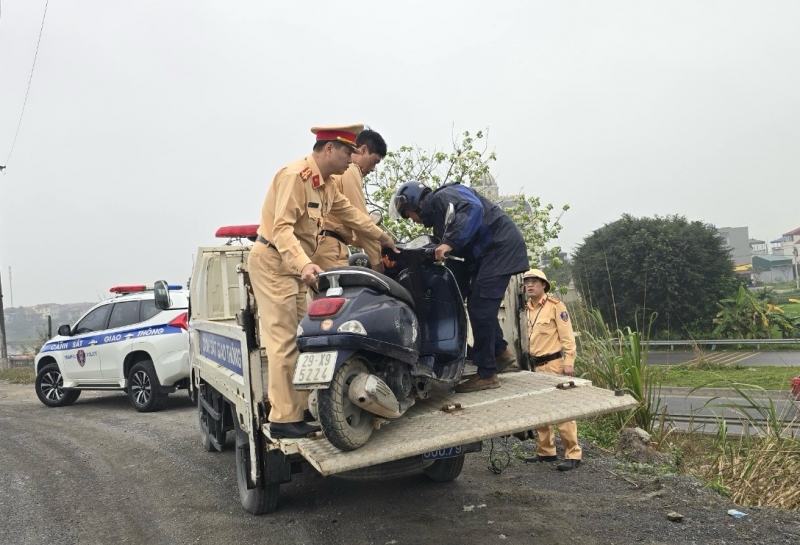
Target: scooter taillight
(325, 307)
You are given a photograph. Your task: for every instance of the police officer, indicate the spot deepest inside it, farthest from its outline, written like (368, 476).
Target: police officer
(492, 244)
(301, 196)
(552, 350)
(334, 239)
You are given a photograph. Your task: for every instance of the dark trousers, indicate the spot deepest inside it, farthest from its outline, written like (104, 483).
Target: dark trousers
(483, 306)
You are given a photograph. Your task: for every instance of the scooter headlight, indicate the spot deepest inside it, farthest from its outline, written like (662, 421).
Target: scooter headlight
(353, 326)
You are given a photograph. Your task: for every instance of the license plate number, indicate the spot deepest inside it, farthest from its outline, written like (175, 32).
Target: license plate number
(315, 367)
(443, 453)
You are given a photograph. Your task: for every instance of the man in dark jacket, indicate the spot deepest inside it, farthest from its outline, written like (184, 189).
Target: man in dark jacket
(490, 242)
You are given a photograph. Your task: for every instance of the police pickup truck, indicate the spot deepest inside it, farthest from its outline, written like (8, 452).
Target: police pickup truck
(229, 375)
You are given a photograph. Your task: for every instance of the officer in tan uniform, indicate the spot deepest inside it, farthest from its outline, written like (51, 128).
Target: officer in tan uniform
(552, 350)
(301, 196)
(334, 239)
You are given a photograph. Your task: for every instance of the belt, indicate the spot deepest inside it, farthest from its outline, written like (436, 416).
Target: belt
(262, 240)
(332, 234)
(538, 361)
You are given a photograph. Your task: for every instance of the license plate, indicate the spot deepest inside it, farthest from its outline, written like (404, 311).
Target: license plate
(443, 453)
(315, 367)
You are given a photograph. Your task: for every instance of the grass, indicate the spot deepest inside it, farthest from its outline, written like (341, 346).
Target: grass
(791, 307)
(18, 375)
(766, 377)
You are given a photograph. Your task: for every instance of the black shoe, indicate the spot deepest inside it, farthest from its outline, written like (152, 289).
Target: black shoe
(538, 458)
(504, 360)
(566, 465)
(308, 417)
(291, 430)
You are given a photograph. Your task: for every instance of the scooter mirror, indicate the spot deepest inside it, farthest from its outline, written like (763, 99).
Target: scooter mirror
(359, 260)
(376, 216)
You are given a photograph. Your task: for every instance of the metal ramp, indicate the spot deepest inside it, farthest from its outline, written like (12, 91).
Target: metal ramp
(524, 401)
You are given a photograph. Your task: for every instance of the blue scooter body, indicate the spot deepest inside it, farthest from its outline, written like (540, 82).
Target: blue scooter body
(417, 324)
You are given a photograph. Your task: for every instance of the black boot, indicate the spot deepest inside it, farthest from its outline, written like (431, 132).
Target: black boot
(568, 464)
(291, 430)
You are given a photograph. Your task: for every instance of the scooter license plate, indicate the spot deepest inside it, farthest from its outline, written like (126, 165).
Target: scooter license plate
(443, 453)
(315, 367)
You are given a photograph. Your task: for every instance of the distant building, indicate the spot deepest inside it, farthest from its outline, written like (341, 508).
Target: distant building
(772, 268)
(737, 239)
(787, 244)
(758, 247)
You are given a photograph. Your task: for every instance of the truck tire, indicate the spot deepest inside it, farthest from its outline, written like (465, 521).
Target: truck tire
(445, 469)
(261, 499)
(405, 467)
(144, 388)
(346, 425)
(49, 388)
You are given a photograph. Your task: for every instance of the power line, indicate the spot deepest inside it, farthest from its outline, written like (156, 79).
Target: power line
(28, 90)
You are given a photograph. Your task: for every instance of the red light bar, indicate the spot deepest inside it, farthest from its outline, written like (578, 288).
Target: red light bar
(325, 307)
(237, 231)
(127, 289)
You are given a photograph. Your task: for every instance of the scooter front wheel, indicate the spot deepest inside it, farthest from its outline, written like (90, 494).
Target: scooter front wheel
(346, 425)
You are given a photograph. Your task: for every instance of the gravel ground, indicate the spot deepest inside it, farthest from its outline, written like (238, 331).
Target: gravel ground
(99, 472)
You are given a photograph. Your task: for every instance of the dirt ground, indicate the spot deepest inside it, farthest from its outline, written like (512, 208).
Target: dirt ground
(99, 472)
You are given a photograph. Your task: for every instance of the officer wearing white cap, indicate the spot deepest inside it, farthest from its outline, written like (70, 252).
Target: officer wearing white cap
(552, 350)
(298, 201)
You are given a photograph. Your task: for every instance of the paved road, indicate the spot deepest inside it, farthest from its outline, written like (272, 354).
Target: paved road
(701, 409)
(741, 357)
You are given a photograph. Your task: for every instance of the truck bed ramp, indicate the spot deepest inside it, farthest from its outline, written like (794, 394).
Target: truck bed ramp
(524, 401)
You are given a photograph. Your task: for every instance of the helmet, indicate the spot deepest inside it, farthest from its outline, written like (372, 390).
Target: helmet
(407, 197)
(536, 273)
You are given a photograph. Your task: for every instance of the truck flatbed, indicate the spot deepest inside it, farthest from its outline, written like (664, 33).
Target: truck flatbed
(524, 401)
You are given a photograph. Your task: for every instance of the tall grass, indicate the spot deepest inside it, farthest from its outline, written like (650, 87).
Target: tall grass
(760, 466)
(617, 360)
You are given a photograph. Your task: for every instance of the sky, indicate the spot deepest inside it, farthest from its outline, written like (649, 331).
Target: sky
(149, 124)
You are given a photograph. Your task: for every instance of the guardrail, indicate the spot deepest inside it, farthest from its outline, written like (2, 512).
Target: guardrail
(705, 342)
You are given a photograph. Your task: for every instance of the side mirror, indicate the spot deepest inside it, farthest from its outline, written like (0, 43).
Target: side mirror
(65, 330)
(376, 216)
(161, 292)
(450, 215)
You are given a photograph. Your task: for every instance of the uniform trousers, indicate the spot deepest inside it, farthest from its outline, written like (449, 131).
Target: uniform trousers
(330, 253)
(483, 306)
(568, 431)
(281, 298)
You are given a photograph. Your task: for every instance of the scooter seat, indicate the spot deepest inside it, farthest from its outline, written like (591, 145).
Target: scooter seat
(359, 276)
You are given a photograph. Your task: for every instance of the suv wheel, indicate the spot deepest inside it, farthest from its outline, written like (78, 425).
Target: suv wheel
(50, 388)
(144, 388)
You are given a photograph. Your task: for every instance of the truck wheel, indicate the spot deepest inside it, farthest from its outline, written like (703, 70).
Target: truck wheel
(346, 426)
(446, 469)
(404, 467)
(144, 388)
(261, 499)
(50, 388)
(208, 446)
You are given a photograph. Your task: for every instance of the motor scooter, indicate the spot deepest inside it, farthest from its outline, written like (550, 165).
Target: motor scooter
(371, 346)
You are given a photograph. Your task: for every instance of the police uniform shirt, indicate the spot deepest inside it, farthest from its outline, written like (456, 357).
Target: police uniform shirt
(294, 212)
(351, 185)
(550, 330)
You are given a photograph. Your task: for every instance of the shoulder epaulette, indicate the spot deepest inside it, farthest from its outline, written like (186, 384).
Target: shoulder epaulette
(554, 299)
(305, 174)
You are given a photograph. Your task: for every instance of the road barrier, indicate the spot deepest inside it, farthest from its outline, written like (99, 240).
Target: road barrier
(713, 342)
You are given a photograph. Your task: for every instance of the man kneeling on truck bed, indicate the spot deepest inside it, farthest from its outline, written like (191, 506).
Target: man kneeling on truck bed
(298, 201)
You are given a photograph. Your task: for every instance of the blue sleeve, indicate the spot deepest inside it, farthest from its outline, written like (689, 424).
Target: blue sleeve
(468, 218)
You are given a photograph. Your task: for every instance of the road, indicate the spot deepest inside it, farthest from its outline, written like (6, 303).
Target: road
(779, 358)
(98, 472)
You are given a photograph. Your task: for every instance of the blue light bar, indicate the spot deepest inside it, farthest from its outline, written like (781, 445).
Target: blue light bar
(174, 287)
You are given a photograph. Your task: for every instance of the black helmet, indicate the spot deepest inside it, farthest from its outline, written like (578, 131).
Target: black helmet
(407, 198)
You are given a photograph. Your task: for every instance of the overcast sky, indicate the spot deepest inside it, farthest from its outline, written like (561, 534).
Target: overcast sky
(151, 123)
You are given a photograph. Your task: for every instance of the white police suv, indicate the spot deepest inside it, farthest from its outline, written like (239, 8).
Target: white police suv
(137, 342)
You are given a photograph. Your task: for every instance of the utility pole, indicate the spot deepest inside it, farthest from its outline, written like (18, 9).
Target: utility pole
(10, 289)
(4, 363)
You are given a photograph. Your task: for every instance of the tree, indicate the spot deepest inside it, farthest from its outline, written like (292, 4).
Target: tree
(752, 316)
(668, 265)
(469, 166)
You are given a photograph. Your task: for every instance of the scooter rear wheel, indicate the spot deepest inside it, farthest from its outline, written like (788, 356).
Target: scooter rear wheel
(346, 425)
